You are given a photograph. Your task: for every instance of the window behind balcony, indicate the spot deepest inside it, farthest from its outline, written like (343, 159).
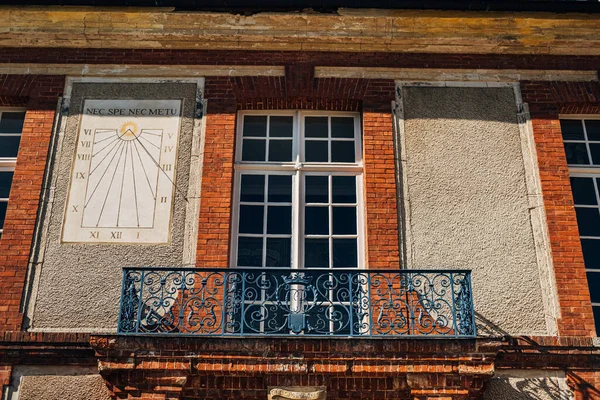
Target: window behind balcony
(582, 146)
(11, 125)
(298, 198)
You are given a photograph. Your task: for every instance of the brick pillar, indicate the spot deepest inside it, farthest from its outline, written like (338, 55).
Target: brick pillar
(380, 177)
(214, 230)
(21, 214)
(573, 293)
(5, 373)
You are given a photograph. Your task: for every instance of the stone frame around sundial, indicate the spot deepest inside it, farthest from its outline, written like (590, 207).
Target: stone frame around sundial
(124, 172)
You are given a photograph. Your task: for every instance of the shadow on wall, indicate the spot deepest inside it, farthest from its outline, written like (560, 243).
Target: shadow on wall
(584, 389)
(485, 327)
(508, 388)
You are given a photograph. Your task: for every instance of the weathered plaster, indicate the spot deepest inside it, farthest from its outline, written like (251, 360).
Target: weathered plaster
(466, 200)
(52, 382)
(528, 385)
(78, 285)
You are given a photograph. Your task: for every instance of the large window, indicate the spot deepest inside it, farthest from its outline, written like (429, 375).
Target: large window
(11, 125)
(298, 197)
(582, 145)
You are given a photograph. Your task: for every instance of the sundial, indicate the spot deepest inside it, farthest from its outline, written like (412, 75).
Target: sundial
(124, 170)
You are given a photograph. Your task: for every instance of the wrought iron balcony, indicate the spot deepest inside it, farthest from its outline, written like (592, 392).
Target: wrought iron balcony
(289, 302)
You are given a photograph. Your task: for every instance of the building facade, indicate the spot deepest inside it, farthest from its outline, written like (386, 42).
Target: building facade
(317, 201)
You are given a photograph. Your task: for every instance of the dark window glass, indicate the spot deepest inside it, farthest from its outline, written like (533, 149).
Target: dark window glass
(342, 151)
(316, 221)
(12, 122)
(344, 220)
(253, 188)
(279, 252)
(253, 150)
(316, 151)
(591, 253)
(595, 150)
(594, 284)
(317, 189)
(3, 205)
(251, 219)
(345, 253)
(588, 220)
(316, 254)
(5, 182)
(280, 150)
(576, 153)
(249, 252)
(344, 189)
(596, 310)
(315, 127)
(280, 188)
(592, 128)
(572, 129)
(281, 126)
(584, 192)
(9, 146)
(342, 127)
(255, 125)
(279, 220)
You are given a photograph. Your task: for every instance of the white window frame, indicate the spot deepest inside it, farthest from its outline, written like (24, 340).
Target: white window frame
(8, 164)
(299, 170)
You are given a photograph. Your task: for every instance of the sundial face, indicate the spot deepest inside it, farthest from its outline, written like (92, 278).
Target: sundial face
(124, 172)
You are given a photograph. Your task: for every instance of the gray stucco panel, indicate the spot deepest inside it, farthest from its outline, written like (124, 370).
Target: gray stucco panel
(79, 284)
(466, 200)
(528, 385)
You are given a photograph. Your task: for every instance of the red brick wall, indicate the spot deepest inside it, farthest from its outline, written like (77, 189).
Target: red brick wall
(24, 199)
(225, 95)
(546, 101)
(251, 57)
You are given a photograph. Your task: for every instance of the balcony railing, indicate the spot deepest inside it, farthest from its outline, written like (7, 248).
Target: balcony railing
(288, 302)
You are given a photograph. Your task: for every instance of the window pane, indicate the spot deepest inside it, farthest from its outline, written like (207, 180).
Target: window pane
(342, 151)
(280, 150)
(9, 146)
(316, 253)
(3, 205)
(315, 127)
(279, 220)
(255, 125)
(5, 182)
(344, 189)
(316, 221)
(280, 188)
(596, 311)
(594, 284)
(588, 220)
(593, 129)
(249, 252)
(342, 127)
(572, 129)
(576, 153)
(591, 253)
(317, 189)
(253, 188)
(584, 192)
(595, 150)
(345, 253)
(12, 122)
(253, 150)
(251, 219)
(281, 126)
(344, 220)
(316, 151)
(279, 252)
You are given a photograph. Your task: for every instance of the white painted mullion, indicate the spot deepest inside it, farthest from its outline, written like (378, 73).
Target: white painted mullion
(330, 216)
(265, 215)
